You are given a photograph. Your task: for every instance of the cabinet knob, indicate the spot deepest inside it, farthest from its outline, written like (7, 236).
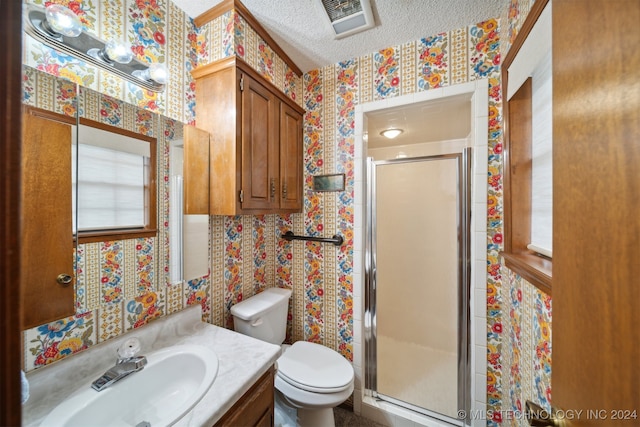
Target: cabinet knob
(64, 279)
(284, 191)
(273, 188)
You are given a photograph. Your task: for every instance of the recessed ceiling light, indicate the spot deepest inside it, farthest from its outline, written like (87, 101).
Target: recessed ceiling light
(391, 133)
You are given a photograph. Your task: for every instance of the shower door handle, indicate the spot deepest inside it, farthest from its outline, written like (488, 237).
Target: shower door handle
(538, 416)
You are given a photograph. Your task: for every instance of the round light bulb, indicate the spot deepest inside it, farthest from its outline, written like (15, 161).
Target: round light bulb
(63, 21)
(158, 73)
(118, 51)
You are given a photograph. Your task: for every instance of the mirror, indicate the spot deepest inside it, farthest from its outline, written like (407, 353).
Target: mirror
(189, 234)
(114, 270)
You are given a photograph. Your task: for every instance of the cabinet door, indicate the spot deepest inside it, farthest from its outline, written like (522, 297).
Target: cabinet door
(255, 408)
(47, 234)
(290, 158)
(196, 171)
(259, 146)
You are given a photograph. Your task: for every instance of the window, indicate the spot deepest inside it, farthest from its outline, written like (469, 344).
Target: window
(114, 183)
(541, 159)
(528, 183)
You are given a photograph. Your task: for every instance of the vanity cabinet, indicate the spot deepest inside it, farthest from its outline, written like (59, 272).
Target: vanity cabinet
(255, 407)
(255, 142)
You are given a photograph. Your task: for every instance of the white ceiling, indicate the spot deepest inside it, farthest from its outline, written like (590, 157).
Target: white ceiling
(303, 32)
(438, 120)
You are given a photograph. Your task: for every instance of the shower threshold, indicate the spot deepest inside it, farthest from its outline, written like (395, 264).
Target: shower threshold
(408, 411)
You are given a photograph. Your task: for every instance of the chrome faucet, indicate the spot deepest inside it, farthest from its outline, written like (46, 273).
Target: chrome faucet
(127, 364)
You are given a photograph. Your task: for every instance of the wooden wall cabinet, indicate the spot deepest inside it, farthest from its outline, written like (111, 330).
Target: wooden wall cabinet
(255, 144)
(255, 407)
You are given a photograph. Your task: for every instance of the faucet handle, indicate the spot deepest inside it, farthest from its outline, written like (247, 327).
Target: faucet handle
(129, 349)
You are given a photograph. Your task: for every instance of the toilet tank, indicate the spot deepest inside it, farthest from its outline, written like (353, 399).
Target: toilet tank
(263, 316)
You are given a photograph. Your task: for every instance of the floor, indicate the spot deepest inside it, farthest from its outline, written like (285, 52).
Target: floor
(346, 418)
(285, 416)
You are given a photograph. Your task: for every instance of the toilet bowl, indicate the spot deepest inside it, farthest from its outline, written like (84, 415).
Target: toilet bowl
(309, 377)
(314, 379)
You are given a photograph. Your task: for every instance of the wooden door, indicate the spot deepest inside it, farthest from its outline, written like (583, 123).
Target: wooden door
(290, 158)
(596, 213)
(196, 171)
(46, 232)
(259, 146)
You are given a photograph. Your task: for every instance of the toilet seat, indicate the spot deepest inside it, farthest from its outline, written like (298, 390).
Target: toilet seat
(315, 368)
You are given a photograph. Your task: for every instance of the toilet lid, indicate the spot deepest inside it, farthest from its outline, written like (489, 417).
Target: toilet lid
(314, 367)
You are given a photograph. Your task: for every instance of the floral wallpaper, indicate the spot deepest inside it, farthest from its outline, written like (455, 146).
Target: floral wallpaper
(229, 34)
(527, 347)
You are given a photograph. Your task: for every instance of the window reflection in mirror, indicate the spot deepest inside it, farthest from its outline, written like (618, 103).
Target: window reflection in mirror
(115, 180)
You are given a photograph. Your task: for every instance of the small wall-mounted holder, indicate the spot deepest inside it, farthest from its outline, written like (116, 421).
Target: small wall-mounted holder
(333, 182)
(92, 50)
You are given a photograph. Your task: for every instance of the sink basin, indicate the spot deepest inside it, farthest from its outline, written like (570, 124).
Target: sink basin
(171, 384)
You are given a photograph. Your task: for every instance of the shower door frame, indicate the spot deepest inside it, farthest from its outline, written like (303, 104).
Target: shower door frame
(464, 282)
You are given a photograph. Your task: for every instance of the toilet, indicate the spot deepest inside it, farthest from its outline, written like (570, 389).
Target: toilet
(309, 377)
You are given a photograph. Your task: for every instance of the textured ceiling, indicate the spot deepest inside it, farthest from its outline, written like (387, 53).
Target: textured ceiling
(303, 32)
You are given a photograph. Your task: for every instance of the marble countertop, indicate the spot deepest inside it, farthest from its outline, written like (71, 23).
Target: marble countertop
(242, 361)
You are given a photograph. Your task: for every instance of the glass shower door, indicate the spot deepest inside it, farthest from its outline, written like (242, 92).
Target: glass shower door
(418, 245)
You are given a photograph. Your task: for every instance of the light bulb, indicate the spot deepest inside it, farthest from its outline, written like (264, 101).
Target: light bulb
(61, 20)
(119, 51)
(156, 72)
(113, 51)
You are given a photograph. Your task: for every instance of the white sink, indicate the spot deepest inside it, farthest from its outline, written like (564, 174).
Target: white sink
(171, 384)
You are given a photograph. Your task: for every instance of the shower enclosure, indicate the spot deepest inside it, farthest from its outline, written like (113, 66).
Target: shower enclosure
(417, 283)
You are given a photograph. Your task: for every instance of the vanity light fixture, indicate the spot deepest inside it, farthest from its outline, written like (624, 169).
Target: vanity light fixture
(59, 28)
(391, 133)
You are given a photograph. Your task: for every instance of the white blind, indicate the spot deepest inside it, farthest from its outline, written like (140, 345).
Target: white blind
(542, 160)
(110, 175)
(111, 190)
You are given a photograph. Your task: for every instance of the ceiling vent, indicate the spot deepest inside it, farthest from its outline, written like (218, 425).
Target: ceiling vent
(348, 16)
